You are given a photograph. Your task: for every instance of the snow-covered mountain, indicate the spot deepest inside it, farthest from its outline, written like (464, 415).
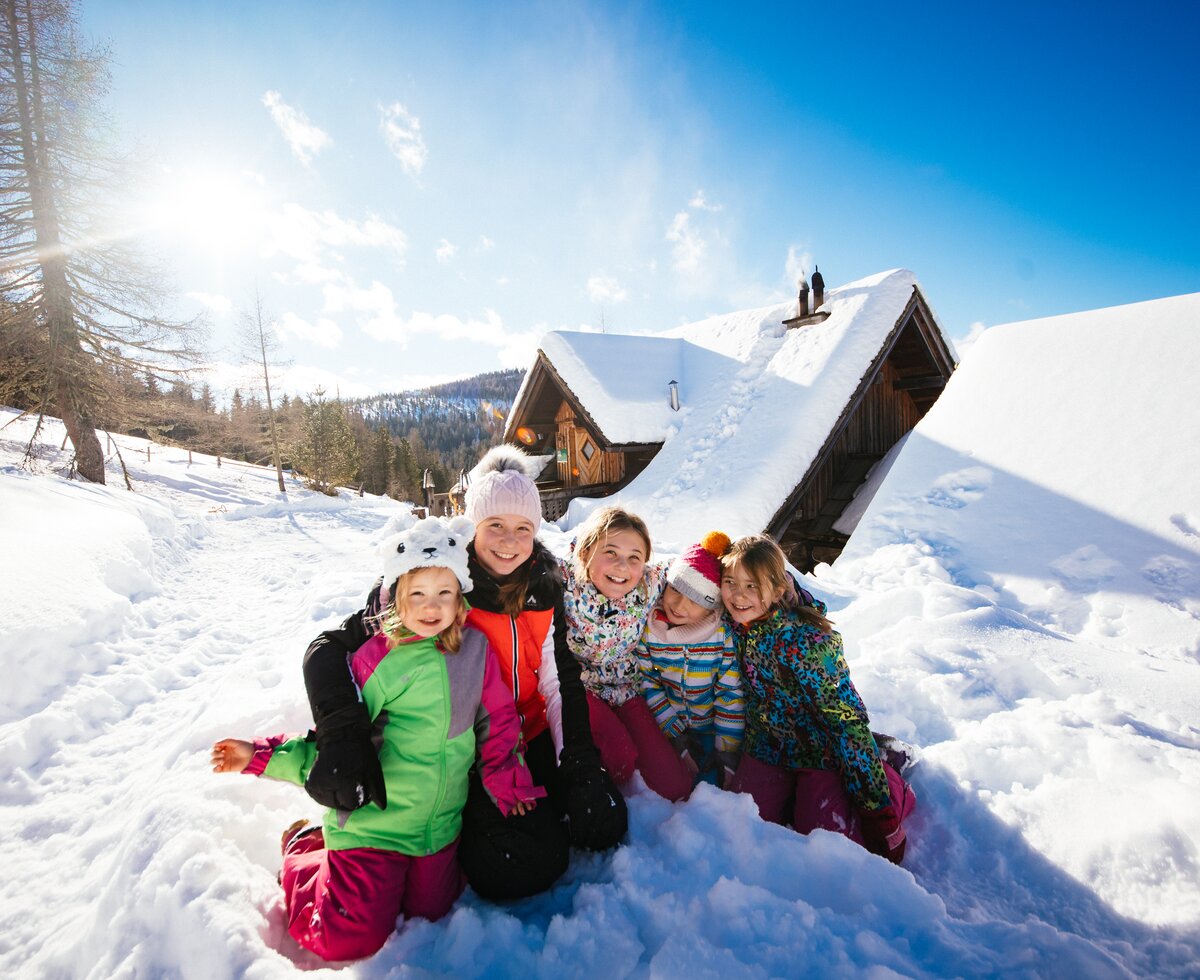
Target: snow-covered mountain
(1021, 598)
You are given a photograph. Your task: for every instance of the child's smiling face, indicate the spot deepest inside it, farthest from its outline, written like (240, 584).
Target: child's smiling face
(429, 601)
(616, 564)
(503, 543)
(744, 596)
(680, 610)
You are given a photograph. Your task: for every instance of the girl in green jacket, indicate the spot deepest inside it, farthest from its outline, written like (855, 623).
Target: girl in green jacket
(433, 689)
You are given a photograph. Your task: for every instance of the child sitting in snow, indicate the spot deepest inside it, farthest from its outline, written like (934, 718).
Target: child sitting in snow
(689, 666)
(609, 590)
(809, 757)
(434, 691)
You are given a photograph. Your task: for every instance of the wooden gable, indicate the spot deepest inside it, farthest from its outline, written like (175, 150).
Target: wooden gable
(550, 419)
(905, 378)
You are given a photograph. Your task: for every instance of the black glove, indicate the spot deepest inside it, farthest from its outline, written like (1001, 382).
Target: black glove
(690, 753)
(596, 814)
(346, 773)
(726, 764)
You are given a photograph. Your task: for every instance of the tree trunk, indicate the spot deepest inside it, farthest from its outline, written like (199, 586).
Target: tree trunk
(262, 346)
(68, 366)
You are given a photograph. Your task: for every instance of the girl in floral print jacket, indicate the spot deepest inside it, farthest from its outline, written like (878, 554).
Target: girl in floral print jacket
(809, 758)
(609, 590)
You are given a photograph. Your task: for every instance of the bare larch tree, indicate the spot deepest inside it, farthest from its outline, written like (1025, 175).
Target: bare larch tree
(81, 305)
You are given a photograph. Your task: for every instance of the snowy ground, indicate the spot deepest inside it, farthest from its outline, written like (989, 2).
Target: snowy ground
(1057, 831)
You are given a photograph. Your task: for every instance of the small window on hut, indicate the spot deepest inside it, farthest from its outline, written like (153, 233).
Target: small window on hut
(588, 450)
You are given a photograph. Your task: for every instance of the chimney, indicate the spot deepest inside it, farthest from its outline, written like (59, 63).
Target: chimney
(818, 285)
(674, 386)
(803, 296)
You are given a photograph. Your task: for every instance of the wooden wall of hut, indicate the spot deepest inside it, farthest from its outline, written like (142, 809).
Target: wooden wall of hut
(881, 419)
(586, 463)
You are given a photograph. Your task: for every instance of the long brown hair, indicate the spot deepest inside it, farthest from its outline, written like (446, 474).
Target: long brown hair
(514, 590)
(392, 625)
(763, 560)
(603, 522)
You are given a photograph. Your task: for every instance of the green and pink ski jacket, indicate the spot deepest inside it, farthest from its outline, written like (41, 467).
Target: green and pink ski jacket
(433, 712)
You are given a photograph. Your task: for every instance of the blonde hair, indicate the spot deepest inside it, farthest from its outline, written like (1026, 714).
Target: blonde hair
(603, 522)
(392, 625)
(761, 558)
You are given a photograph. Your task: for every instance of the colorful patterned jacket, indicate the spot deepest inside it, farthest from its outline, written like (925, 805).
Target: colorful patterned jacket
(433, 713)
(691, 680)
(802, 710)
(604, 633)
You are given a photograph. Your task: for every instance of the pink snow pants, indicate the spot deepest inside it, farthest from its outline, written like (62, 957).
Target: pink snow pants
(815, 798)
(629, 738)
(343, 905)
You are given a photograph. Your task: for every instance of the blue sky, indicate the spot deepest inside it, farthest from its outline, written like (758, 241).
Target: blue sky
(419, 190)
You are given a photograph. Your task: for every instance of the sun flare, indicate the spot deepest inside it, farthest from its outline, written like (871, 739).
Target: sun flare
(209, 209)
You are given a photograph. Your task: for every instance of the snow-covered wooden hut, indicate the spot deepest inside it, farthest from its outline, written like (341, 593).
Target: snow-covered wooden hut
(763, 420)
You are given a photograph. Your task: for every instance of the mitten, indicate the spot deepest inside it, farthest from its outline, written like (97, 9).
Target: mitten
(882, 833)
(726, 766)
(346, 773)
(596, 815)
(689, 752)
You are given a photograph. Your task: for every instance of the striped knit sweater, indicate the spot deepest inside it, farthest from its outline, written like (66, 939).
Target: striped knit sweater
(691, 679)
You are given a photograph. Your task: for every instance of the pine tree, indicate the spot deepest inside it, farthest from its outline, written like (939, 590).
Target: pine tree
(408, 477)
(327, 455)
(380, 461)
(74, 294)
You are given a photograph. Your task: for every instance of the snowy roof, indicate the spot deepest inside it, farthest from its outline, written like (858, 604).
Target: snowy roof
(757, 402)
(1079, 479)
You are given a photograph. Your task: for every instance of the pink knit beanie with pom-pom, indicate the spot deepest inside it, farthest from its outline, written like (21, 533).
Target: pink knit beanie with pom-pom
(502, 483)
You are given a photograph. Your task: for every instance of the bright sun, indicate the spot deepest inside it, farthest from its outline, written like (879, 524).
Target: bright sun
(211, 210)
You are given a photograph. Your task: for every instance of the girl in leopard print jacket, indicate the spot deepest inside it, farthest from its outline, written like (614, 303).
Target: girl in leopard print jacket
(809, 758)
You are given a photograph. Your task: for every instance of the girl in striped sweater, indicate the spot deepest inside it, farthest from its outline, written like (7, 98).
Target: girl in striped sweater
(689, 666)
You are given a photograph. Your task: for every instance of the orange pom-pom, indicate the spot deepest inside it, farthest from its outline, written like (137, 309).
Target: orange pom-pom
(715, 543)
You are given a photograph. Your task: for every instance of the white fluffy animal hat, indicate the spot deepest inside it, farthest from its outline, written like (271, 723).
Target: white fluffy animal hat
(431, 542)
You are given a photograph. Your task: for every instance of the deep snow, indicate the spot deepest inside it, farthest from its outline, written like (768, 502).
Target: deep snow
(1020, 599)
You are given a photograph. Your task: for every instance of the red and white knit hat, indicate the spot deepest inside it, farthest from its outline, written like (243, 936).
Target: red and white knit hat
(696, 574)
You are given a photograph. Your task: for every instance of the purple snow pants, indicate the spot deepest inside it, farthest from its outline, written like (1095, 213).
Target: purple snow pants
(809, 799)
(629, 738)
(343, 905)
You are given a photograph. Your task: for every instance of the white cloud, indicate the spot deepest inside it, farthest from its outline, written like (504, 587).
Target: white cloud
(305, 235)
(323, 333)
(689, 246)
(374, 310)
(445, 251)
(310, 273)
(519, 350)
(486, 244)
(445, 326)
(302, 380)
(699, 203)
(402, 134)
(305, 139)
(606, 289)
(221, 305)
(963, 344)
